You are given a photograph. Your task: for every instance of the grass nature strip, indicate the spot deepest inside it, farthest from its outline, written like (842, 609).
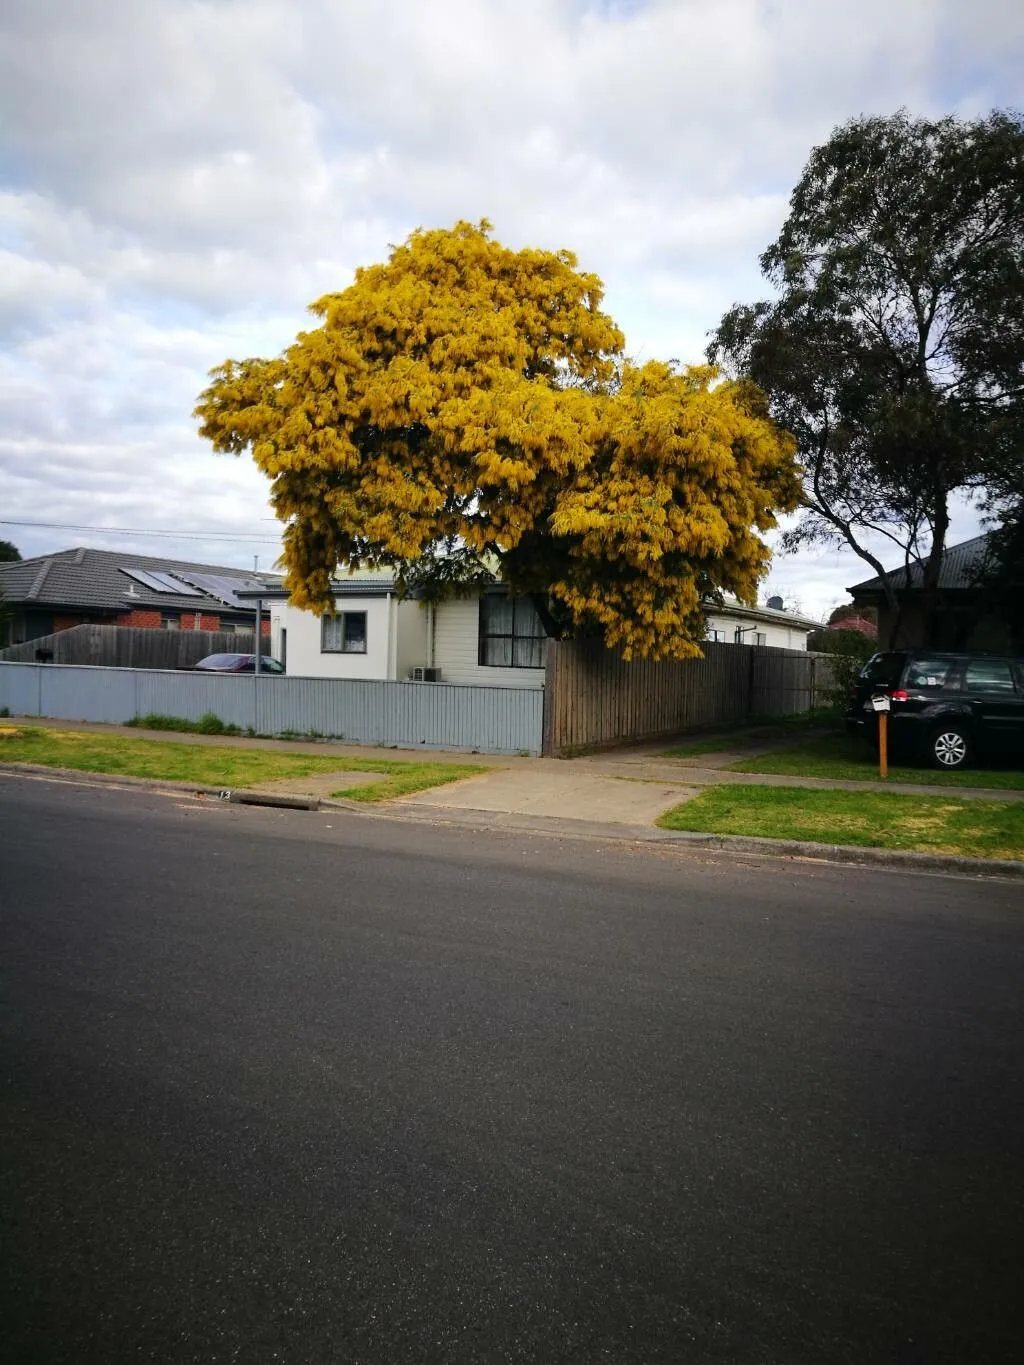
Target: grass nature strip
(219, 766)
(921, 824)
(406, 778)
(846, 757)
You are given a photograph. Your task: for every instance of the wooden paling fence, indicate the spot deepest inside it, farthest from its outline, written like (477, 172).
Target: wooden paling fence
(594, 698)
(129, 647)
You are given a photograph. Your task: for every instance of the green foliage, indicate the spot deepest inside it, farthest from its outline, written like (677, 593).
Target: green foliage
(9, 553)
(208, 724)
(893, 349)
(1002, 575)
(850, 650)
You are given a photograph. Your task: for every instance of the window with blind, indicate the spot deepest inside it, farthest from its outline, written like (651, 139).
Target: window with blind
(511, 635)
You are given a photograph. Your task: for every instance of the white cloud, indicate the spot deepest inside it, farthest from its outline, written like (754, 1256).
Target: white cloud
(180, 181)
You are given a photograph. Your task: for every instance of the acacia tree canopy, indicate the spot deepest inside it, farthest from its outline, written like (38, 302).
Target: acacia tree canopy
(894, 348)
(464, 406)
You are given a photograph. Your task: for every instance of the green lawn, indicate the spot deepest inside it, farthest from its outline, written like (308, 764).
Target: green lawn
(924, 824)
(405, 778)
(845, 756)
(215, 766)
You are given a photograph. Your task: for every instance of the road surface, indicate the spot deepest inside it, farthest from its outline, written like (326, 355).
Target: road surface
(281, 1086)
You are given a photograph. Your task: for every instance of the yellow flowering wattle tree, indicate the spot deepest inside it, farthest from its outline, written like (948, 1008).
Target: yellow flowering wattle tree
(465, 408)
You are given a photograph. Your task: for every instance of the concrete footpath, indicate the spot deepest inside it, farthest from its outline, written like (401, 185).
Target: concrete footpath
(619, 794)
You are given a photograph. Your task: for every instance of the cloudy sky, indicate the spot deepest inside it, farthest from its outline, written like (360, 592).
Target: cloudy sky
(180, 178)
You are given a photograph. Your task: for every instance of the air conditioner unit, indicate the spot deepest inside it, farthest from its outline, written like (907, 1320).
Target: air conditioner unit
(425, 674)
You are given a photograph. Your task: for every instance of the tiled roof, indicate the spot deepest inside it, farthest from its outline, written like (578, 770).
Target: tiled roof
(960, 566)
(96, 580)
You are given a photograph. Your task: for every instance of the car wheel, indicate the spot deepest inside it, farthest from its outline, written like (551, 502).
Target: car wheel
(949, 747)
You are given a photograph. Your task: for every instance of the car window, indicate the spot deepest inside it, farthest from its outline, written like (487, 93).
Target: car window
(883, 668)
(991, 676)
(925, 674)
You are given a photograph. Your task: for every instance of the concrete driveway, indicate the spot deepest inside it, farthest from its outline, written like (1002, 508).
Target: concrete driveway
(572, 791)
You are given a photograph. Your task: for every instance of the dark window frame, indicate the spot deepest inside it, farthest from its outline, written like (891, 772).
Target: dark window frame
(341, 619)
(521, 641)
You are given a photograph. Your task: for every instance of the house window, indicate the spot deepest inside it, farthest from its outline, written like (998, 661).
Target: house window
(760, 637)
(511, 635)
(344, 633)
(716, 636)
(169, 622)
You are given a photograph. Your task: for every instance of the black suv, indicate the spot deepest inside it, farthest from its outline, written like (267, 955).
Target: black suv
(949, 709)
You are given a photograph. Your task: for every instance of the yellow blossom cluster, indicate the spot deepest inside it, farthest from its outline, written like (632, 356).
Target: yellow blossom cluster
(464, 393)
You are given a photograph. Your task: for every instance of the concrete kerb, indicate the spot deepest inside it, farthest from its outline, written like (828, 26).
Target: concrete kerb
(553, 827)
(723, 843)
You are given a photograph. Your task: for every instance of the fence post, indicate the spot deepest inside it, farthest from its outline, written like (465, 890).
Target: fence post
(547, 744)
(750, 681)
(814, 684)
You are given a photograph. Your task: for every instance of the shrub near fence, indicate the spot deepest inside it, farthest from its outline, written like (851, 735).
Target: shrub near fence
(594, 698)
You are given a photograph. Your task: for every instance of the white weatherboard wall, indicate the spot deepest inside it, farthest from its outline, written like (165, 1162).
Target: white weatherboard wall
(307, 660)
(457, 649)
(778, 634)
(412, 620)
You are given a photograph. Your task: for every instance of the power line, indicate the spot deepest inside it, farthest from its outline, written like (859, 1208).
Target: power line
(138, 531)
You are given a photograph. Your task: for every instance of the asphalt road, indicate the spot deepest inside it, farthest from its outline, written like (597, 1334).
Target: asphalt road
(291, 1087)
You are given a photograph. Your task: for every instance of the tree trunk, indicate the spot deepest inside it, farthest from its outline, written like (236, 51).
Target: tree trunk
(930, 578)
(552, 628)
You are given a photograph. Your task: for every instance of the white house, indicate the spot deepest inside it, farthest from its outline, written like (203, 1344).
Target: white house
(771, 625)
(487, 640)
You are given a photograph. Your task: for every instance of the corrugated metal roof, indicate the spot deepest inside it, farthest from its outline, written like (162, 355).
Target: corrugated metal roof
(960, 567)
(97, 581)
(345, 587)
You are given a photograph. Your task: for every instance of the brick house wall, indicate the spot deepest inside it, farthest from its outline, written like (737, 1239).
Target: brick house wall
(145, 620)
(152, 620)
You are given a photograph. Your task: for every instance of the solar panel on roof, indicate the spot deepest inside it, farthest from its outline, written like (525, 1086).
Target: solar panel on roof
(173, 584)
(161, 582)
(219, 585)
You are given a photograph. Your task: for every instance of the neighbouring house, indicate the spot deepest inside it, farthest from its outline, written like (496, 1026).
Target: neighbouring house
(771, 625)
(963, 618)
(51, 593)
(858, 623)
(488, 639)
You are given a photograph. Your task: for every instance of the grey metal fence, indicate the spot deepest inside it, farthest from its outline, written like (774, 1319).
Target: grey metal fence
(431, 715)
